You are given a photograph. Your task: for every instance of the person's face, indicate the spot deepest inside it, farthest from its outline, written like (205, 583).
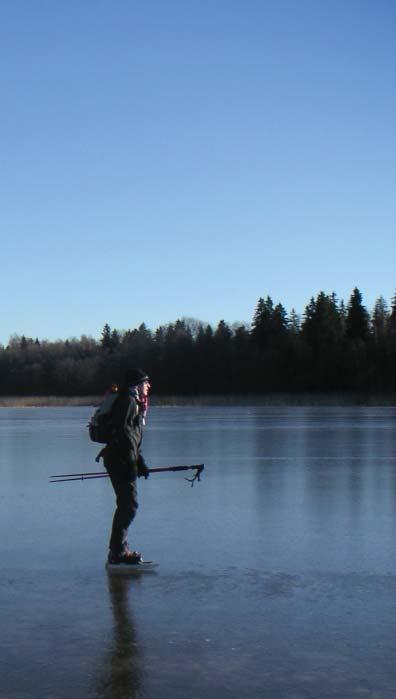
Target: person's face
(145, 387)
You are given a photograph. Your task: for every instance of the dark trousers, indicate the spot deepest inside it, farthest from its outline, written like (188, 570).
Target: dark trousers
(123, 479)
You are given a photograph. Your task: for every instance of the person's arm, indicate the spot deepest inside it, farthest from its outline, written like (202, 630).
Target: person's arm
(131, 436)
(131, 432)
(125, 438)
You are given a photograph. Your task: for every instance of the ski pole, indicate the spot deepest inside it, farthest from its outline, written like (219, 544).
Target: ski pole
(65, 477)
(85, 477)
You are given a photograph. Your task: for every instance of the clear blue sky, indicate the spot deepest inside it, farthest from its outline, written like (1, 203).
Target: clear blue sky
(183, 158)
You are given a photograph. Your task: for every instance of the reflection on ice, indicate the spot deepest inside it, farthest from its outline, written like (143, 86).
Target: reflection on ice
(120, 669)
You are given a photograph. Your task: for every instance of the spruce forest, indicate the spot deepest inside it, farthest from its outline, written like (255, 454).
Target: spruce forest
(332, 347)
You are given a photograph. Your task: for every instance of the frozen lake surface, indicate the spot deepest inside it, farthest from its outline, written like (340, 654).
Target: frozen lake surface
(277, 574)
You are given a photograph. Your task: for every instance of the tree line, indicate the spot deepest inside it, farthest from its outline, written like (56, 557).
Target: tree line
(331, 347)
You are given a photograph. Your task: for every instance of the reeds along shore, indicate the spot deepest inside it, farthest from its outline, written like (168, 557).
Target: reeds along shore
(269, 399)
(47, 401)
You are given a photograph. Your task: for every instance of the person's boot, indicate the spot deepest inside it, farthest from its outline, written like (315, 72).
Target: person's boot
(126, 557)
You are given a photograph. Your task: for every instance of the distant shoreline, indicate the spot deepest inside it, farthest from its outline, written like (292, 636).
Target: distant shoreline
(270, 399)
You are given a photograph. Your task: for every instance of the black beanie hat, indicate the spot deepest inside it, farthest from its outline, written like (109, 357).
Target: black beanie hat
(135, 376)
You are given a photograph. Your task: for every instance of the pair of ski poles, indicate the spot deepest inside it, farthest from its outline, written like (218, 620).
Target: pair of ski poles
(89, 476)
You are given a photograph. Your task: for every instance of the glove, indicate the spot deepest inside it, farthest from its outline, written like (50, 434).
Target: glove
(142, 468)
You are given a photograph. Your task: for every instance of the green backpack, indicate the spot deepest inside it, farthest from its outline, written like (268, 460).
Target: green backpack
(100, 426)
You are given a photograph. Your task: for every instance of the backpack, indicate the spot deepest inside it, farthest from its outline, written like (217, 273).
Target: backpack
(100, 426)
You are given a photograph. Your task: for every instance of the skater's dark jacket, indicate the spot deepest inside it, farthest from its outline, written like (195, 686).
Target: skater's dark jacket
(125, 445)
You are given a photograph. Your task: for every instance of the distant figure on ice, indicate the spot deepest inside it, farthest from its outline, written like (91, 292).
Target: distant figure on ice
(124, 462)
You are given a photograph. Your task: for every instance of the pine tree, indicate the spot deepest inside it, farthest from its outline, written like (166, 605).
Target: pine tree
(294, 323)
(262, 322)
(144, 333)
(308, 324)
(222, 358)
(343, 316)
(280, 322)
(380, 318)
(357, 320)
(105, 340)
(258, 317)
(392, 319)
(223, 332)
(322, 325)
(115, 340)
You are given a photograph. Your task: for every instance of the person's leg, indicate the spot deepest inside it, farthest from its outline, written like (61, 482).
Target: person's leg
(127, 505)
(123, 479)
